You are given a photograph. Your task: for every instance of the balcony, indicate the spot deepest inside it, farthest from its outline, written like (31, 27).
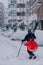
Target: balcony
(36, 4)
(20, 5)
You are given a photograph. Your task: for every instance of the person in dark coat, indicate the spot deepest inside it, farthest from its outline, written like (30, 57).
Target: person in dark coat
(28, 37)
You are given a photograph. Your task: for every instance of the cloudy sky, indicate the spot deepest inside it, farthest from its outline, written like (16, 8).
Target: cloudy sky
(5, 2)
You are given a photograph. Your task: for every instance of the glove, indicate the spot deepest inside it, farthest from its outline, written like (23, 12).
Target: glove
(32, 39)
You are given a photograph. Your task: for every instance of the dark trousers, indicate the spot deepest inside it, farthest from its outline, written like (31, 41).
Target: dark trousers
(30, 53)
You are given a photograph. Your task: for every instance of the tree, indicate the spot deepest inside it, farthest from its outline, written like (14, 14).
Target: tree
(15, 27)
(22, 26)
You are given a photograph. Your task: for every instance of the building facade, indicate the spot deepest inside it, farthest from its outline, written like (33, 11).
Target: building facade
(23, 7)
(37, 8)
(12, 6)
(27, 10)
(5, 15)
(18, 10)
(1, 14)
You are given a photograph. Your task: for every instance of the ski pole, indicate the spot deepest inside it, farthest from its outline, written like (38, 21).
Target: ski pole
(19, 50)
(35, 26)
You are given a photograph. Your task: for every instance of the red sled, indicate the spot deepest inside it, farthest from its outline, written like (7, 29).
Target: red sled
(32, 46)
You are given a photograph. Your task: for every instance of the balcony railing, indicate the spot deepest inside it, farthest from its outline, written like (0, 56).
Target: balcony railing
(36, 4)
(21, 5)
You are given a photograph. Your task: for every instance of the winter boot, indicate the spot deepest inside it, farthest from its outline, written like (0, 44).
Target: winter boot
(34, 57)
(30, 57)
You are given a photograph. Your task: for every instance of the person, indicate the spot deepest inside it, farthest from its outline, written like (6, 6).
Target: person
(28, 37)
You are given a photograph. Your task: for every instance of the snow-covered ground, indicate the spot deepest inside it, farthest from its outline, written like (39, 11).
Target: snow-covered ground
(21, 34)
(9, 50)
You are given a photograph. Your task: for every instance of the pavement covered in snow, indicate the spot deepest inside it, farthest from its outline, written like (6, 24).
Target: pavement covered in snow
(9, 50)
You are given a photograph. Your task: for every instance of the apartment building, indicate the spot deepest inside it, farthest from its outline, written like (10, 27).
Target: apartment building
(27, 10)
(5, 15)
(18, 10)
(12, 5)
(1, 14)
(37, 8)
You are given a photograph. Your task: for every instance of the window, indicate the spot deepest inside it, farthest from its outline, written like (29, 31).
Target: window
(9, 21)
(23, 13)
(12, 13)
(27, 13)
(12, 4)
(20, 13)
(21, 5)
(12, 20)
